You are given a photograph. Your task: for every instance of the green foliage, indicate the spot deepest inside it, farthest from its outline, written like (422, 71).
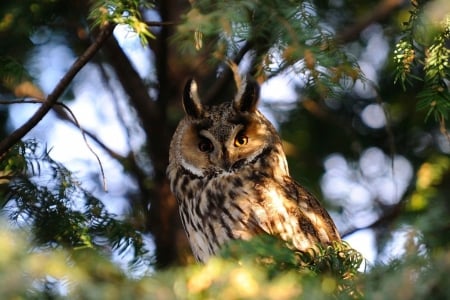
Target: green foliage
(287, 36)
(339, 259)
(83, 273)
(12, 72)
(424, 46)
(429, 176)
(339, 262)
(52, 273)
(264, 250)
(64, 237)
(428, 203)
(41, 195)
(127, 12)
(413, 276)
(19, 18)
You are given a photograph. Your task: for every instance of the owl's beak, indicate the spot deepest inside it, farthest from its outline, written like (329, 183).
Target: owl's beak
(223, 160)
(227, 166)
(225, 163)
(230, 164)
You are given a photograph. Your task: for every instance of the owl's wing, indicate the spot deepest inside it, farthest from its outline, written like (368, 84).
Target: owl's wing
(291, 212)
(313, 210)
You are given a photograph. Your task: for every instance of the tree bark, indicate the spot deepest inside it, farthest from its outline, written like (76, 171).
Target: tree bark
(160, 206)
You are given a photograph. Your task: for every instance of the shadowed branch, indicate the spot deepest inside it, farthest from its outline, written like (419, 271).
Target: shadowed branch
(53, 97)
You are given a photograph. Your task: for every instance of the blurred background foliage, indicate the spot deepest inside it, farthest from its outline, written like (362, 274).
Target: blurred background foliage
(358, 90)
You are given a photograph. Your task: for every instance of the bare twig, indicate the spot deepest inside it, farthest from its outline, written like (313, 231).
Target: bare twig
(160, 24)
(83, 133)
(388, 127)
(21, 101)
(73, 120)
(115, 98)
(52, 98)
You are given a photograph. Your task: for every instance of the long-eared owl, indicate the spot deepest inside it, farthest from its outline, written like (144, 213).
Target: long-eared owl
(228, 172)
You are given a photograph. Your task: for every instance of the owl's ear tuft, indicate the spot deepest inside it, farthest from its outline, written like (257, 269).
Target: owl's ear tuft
(247, 97)
(191, 101)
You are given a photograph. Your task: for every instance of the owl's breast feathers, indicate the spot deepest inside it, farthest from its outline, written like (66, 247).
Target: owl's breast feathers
(248, 202)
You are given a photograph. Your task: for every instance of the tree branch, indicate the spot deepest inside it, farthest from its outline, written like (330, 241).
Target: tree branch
(221, 83)
(146, 108)
(161, 24)
(52, 98)
(379, 13)
(388, 217)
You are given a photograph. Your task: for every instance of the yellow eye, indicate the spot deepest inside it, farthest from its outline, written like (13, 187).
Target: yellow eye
(240, 140)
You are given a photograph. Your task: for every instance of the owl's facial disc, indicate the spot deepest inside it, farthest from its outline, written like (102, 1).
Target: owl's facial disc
(223, 140)
(228, 148)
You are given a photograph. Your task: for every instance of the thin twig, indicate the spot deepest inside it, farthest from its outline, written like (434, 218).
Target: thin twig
(52, 98)
(115, 98)
(102, 145)
(388, 127)
(84, 133)
(21, 101)
(160, 24)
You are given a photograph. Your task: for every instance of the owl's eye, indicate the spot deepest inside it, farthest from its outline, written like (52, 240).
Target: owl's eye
(240, 140)
(205, 145)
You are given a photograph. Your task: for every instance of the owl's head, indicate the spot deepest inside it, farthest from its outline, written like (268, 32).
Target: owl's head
(223, 138)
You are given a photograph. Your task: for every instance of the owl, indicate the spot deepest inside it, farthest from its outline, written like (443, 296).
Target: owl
(228, 172)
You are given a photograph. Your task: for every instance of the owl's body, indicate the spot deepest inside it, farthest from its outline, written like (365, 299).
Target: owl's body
(229, 174)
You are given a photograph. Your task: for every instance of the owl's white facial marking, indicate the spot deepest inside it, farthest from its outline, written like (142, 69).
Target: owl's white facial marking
(191, 168)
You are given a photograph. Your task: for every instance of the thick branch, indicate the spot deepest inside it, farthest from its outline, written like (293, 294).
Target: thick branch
(52, 98)
(146, 107)
(226, 76)
(379, 13)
